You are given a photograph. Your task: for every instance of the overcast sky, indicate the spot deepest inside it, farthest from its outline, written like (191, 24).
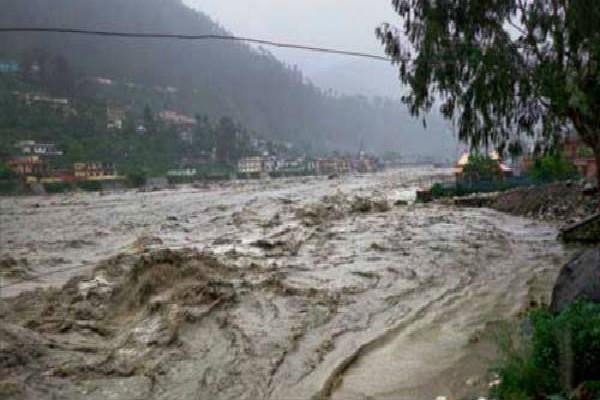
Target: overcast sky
(344, 24)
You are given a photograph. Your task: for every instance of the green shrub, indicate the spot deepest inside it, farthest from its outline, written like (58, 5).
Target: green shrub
(482, 168)
(58, 187)
(5, 172)
(9, 187)
(438, 190)
(562, 353)
(137, 177)
(180, 180)
(90, 186)
(552, 167)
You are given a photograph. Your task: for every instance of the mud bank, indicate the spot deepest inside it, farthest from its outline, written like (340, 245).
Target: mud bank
(556, 202)
(292, 290)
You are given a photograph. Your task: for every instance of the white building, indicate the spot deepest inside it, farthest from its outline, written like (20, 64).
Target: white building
(251, 165)
(186, 172)
(40, 149)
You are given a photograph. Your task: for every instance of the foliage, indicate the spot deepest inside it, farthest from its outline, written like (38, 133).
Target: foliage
(58, 187)
(9, 187)
(90, 186)
(216, 79)
(562, 353)
(438, 190)
(585, 152)
(179, 180)
(552, 167)
(5, 172)
(482, 168)
(137, 177)
(504, 68)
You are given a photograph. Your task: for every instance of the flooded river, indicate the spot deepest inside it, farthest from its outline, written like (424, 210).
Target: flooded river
(313, 289)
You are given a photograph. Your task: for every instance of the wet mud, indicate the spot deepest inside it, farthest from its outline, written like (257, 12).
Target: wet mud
(289, 289)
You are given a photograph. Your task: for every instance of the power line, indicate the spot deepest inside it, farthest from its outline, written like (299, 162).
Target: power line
(134, 35)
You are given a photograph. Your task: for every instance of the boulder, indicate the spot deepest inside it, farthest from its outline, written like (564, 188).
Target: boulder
(586, 231)
(424, 196)
(579, 279)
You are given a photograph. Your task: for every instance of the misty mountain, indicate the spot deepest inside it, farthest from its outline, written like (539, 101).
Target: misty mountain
(358, 77)
(216, 78)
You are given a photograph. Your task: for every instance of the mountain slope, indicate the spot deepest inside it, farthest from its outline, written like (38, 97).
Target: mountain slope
(213, 78)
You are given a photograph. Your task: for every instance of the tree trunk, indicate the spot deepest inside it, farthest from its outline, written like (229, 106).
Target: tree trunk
(597, 156)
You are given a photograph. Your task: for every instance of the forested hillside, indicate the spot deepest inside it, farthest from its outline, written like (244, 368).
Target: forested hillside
(212, 78)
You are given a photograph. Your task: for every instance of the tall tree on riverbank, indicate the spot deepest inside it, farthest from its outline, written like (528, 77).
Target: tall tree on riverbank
(504, 68)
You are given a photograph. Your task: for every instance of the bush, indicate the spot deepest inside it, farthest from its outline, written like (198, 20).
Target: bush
(482, 168)
(90, 186)
(438, 190)
(5, 172)
(58, 187)
(562, 353)
(137, 178)
(552, 167)
(180, 180)
(9, 187)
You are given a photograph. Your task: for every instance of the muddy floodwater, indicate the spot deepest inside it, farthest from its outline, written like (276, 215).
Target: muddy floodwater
(286, 289)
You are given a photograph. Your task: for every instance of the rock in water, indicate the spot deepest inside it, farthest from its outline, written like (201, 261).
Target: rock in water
(579, 279)
(586, 231)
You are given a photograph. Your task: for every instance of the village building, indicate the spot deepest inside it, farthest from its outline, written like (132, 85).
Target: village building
(251, 165)
(59, 176)
(329, 166)
(365, 165)
(115, 117)
(184, 124)
(581, 156)
(40, 149)
(141, 129)
(186, 136)
(463, 161)
(269, 164)
(9, 66)
(30, 98)
(29, 166)
(102, 81)
(176, 119)
(182, 173)
(95, 171)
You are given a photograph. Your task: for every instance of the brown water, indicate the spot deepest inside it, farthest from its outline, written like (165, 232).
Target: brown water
(375, 305)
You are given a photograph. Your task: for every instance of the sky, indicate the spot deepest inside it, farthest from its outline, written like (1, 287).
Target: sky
(343, 24)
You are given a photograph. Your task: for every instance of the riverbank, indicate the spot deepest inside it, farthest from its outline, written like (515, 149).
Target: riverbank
(316, 289)
(563, 202)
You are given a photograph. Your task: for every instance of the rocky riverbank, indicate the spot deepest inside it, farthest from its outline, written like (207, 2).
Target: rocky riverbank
(563, 202)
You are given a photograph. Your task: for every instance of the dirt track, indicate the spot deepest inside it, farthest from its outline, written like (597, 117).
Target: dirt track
(293, 290)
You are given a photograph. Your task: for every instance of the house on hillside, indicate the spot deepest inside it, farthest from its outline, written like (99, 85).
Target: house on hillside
(186, 136)
(141, 129)
(178, 120)
(9, 66)
(40, 149)
(115, 117)
(56, 103)
(184, 124)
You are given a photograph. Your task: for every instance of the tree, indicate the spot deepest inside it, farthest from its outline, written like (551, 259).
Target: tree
(149, 121)
(226, 141)
(505, 68)
(61, 79)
